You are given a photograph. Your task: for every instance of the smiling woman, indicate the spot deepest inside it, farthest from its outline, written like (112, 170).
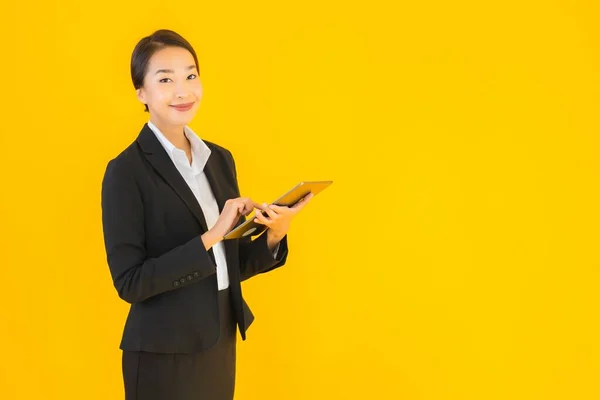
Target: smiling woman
(154, 62)
(167, 201)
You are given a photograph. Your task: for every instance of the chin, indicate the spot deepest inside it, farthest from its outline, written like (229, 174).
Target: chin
(181, 118)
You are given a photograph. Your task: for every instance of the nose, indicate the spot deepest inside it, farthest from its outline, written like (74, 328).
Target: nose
(181, 92)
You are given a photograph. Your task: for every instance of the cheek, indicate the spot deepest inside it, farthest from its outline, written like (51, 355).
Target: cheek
(164, 95)
(198, 90)
(158, 94)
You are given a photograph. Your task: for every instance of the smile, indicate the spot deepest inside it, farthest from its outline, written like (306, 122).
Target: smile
(183, 107)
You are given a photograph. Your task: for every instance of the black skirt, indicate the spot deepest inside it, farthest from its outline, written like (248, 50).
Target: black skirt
(206, 375)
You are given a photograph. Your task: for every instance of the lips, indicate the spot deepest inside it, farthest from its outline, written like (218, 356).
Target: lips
(183, 107)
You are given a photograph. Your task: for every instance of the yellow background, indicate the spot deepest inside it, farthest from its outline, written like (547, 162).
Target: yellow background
(454, 257)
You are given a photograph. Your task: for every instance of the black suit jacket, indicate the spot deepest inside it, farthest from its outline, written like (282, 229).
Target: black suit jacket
(152, 225)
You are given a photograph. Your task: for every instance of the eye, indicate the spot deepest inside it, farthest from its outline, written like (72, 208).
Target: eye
(194, 76)
(163, 80)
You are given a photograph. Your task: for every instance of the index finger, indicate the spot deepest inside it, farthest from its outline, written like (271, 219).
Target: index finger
(253, 203)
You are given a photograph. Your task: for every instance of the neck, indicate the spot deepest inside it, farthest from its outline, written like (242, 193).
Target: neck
(174, 133)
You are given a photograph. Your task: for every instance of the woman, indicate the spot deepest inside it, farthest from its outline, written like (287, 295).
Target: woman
(167, 201)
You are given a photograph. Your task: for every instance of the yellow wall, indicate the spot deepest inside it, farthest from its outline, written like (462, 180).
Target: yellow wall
(455, 256)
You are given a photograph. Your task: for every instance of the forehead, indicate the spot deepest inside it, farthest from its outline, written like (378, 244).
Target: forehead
(175, 58)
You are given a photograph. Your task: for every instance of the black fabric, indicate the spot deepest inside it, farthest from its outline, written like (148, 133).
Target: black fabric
(206, 375)
(152, 225)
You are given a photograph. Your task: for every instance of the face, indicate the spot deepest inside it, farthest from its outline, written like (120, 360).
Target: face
(172, 79)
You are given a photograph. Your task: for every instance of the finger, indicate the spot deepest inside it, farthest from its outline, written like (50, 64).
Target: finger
(270, 212)
(251, 203)
(240, 207)
(233, 203)
(261, 219)
(254, 206)
(280, 209)
(248, 208)
(245, 211)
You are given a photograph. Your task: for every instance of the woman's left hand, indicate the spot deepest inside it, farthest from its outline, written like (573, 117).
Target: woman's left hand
(279, 217)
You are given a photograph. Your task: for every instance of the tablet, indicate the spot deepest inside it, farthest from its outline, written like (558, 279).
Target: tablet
(294, 195)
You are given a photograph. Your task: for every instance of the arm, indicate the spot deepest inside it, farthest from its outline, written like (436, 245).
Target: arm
(136, 276)
(256, 257)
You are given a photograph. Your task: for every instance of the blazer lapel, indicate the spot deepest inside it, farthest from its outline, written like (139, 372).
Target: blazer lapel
(160, 160)
(223, 190)
(215, 177)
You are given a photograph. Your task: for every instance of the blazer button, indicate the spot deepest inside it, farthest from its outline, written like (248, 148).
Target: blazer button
(176, 283)
(196, 274)
(182, 280)
(189, 277)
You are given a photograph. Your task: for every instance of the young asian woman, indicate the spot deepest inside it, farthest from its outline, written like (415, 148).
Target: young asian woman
(167, 201)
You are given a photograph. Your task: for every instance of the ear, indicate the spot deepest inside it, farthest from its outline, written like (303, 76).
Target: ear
(141, 95)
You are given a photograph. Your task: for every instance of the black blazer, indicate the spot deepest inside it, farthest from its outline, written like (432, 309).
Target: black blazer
(152, 225)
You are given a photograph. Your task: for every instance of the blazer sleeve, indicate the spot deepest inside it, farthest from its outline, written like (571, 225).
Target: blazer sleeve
(255, 256)
(136, 276)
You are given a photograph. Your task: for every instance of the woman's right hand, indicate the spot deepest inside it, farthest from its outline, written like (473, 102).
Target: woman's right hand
(233, 209)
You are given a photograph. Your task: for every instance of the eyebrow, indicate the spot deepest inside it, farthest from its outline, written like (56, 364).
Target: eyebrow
(170, 71)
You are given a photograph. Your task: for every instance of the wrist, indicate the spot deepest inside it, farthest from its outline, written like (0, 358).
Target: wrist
(273, 238)
(210, 238)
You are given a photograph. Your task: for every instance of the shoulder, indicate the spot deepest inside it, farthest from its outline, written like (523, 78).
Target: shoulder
(215, 148)
(121, 164)
(222, 156)
(220, 152)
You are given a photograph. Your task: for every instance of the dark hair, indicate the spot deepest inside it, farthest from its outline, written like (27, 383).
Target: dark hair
(149, 45)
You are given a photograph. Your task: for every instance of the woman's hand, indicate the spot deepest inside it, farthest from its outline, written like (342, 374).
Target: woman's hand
(231, 213)
(278, 218)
